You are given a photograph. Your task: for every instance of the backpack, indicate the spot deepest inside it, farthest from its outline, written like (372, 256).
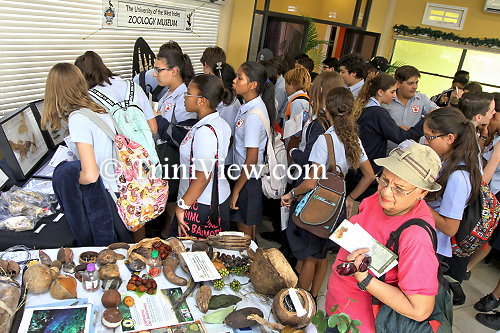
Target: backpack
(143, 58)
(130, 118)
(441, 319)
(478, 223)
(322, 208)
(289, 105)
(273, 179)
(148, 89)
(143, 196)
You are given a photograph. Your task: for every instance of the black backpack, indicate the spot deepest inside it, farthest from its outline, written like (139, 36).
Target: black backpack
(441, 319)
(148, 89)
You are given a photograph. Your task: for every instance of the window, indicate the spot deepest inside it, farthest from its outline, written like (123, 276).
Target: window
(444, 16)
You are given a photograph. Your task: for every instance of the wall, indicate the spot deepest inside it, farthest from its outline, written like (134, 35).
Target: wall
(241, 26)
(410, 13)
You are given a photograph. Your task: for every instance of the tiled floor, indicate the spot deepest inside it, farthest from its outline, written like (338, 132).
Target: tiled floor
(483, 280)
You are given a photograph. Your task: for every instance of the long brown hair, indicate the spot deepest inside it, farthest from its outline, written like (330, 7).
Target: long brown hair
(321, 85)
(381, 81)
(65, 92)
(449, 120)
(94, 70)
(339, 102)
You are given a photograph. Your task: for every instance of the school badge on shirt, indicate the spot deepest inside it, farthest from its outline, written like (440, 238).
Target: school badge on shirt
(168, 107)
(415, 108)
(239, 122)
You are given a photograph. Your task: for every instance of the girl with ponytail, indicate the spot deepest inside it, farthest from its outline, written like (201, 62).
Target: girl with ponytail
(250, 139)
(308, 248)
(453, 138)
(200, 212)
(376, 126)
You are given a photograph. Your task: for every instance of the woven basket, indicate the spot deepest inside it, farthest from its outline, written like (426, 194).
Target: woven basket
(145, 243)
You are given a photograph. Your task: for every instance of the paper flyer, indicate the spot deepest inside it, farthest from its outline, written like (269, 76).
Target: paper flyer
(192, 327)
(62, 153)
(352, 237)
(200, 266)
(154, 311)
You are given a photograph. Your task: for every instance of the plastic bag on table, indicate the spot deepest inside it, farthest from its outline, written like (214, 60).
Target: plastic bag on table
(10, 291)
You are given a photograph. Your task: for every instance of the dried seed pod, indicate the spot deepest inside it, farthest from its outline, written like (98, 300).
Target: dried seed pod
(69, 267)
(116, 246)
(64, 287)
(106, 256)
(56, 263)
(44, 258)
(65, 255)
(203, 297)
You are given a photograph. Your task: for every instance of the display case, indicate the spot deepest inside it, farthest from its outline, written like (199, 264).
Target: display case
(53, 138)
(21, 142)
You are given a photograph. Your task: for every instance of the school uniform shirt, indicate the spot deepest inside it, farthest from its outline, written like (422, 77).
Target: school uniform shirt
(250, 132)
(452, 205)
(298, 106)
(488, 152)
(355, 88)
(281, 97)
(204, 151)
(117, 89)
(175, 101)
(151, 83)
(372, 102)
(83, 130)
(416, 107)
(319, 152)
(229, 113)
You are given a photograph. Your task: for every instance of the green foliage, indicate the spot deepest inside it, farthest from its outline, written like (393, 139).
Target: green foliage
(449, 36)
(313, 42)
(342, 321)
(394, 66)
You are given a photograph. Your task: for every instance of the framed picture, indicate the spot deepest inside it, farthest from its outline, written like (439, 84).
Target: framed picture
(21, 142)
(53, 138)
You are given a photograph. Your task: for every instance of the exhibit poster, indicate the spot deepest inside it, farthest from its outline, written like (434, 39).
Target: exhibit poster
(56, 319)
(57, 136)
(25, 139)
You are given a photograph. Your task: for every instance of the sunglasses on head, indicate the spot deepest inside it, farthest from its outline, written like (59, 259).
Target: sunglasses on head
(347, 268)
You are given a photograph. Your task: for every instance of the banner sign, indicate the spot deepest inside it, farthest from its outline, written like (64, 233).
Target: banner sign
(142, 15)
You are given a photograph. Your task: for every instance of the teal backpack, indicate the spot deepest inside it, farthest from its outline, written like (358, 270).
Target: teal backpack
(130, 118)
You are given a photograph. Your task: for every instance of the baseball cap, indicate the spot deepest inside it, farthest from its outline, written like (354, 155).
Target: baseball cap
(416, 164)
(380, 63)
(264, 54)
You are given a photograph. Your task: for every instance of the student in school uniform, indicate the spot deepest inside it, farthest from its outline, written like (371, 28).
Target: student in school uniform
(308, 248)
(150, 82)
(351, 67)
(297, 85)
(174, 71)
(82, 187)
(100, 77)
(210, 57)
(229, 111)
(206, 143)
(249, 144)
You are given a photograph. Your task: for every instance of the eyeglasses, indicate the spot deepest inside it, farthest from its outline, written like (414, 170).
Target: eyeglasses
(189, 95)
(158, 70)
(429, 138)
(398, 191)
(347, 268)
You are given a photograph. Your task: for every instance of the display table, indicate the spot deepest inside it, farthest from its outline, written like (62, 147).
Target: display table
(247, 293)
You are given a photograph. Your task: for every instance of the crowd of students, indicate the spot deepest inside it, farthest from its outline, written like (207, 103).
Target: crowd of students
(220, 119)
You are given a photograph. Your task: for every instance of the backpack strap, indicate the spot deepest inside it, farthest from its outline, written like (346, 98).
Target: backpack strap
(94, 117)
(130, 94)
(142, 81)
(289, 105)
(270, 145)
(332, 165)
(108, 101)
(394, 236)
(156, 91)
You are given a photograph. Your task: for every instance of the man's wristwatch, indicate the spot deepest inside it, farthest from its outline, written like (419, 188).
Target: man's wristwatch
(181, 204)
(366, 281)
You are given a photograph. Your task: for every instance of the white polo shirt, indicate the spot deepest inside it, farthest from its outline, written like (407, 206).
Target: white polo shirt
(172, 101)
(410, 114)
(204, 151)
(117, 90)
(319, 152)
(249, 131)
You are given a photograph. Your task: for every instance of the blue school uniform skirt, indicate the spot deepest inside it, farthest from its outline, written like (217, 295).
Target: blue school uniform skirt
(249, 203)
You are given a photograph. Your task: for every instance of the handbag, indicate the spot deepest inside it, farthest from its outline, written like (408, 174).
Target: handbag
(320, 210)
(441, 319)
(212, 226)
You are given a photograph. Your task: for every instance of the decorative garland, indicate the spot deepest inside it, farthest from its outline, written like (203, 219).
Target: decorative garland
(435, 34)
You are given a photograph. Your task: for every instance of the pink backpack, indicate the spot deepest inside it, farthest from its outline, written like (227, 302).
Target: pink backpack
(143, 196)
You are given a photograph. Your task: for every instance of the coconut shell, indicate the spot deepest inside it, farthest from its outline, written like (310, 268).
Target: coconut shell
(64, 287)
(56, 263)
(111, 298)
(38, 278)
(111, 318)
(288, 316)
(65, 255)
(109, 271)
(270, 272)
(106, 256)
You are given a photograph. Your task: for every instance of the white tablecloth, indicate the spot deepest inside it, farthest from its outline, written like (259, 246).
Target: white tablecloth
(249, 298)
